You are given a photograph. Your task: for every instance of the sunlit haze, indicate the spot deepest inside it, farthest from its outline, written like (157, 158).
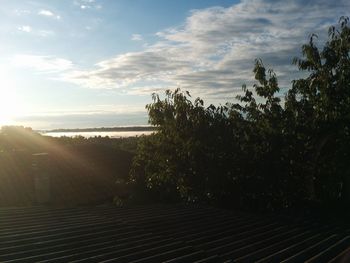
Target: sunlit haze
(94, 63)
(10, 108)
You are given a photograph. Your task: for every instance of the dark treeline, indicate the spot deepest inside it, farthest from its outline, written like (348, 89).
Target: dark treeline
(81, 170)
(261, 153)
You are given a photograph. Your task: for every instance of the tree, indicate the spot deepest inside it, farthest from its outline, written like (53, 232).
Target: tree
(258, 153)
(319, 108)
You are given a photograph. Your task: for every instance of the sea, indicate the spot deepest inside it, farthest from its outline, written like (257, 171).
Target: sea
(89, 134)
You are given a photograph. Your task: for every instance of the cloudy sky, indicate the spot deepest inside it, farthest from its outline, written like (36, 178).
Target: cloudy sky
(93, 63)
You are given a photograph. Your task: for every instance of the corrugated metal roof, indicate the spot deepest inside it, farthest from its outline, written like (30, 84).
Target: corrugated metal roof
(162, 233)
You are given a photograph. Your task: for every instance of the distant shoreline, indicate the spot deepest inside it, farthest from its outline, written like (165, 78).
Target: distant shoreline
(104, 129)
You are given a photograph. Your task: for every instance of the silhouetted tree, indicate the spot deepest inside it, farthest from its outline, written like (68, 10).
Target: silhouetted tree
(257, 153)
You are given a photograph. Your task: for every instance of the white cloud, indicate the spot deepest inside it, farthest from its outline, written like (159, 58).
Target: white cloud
(20, 12)
(45, 33)
(127, 69)
(212, 54)
(40, 33)
(93, 116)
(94, 109)
(136, 37)
(46, 64)
(87, 4)
(25, 28)
(48, 13)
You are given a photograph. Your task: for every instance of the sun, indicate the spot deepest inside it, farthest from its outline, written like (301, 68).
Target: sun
(9, 106)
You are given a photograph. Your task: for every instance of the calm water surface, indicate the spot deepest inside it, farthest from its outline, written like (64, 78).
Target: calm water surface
(111, 134)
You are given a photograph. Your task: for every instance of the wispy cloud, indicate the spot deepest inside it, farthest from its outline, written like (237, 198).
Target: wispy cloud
(128, 69)
(87, 4)
(36, 32)
(136, 37)
(212, 53)
(48, 13)
(45, 33)
(45, 64)
(25, 28)
(94, 116)
(20, 12)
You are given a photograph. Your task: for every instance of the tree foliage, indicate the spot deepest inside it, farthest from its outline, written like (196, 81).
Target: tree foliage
(259, 153)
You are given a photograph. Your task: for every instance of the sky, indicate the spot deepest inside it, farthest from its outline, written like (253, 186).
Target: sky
(95, 63)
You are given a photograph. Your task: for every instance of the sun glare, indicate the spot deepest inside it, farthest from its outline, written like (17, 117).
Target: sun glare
(9, 106)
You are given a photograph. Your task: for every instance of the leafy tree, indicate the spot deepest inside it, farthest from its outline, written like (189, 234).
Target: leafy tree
(319, 108)
(258, 153)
